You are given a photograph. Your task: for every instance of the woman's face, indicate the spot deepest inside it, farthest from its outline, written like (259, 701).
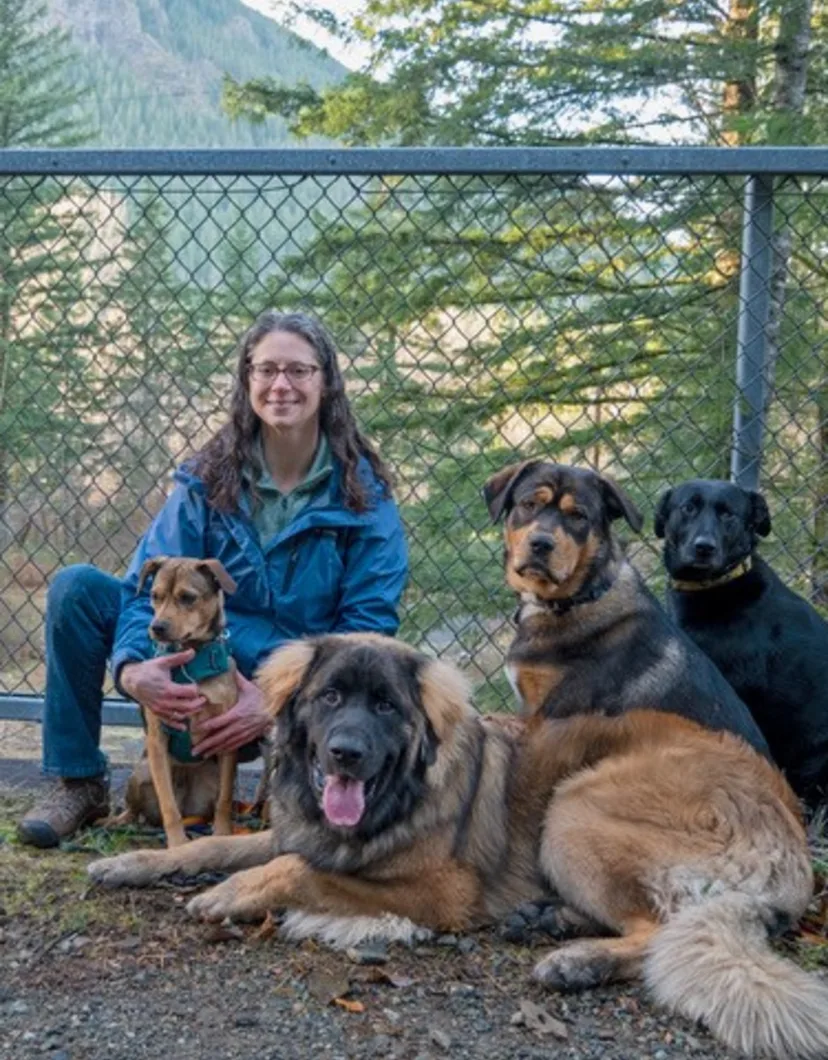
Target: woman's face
(285, 381)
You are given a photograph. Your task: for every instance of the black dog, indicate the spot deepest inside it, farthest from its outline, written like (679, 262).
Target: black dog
(769, 643)
(591, 638)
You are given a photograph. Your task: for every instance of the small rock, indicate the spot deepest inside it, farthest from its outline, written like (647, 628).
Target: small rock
(467, 945)
(446, 940)
(375, 953)
(246, 1019)
(659, 1054)
(440, 1038)
(17, 1008)
(129, 944)
(380, 1045)
(538, 1019)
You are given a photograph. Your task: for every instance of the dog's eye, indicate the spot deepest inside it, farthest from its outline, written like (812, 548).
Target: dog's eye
(528, 505)
(384, 706)
(688, 507)
(578, 515)
(331, 697)
(187, 599)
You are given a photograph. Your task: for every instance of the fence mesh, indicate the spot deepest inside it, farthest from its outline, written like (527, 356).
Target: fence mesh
(482, 319)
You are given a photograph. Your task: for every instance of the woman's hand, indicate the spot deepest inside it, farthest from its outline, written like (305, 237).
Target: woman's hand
(246, 721)
(150, 684)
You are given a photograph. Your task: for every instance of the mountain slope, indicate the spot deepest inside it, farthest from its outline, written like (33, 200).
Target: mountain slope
(155, 68)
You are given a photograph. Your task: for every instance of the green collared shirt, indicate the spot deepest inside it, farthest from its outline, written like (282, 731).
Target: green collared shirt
(276, 509)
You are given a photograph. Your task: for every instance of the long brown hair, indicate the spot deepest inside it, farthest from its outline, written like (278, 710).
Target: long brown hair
(219, 464)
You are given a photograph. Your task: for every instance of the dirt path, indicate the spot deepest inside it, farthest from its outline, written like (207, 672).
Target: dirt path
(88, 974)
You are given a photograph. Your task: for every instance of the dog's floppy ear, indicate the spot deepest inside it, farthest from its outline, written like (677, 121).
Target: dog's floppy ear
(284, 673)
(759, 513)
(618, 505)
(151, 566)
(214, 568)
(661, 513)
(497, 493)
(444, 693)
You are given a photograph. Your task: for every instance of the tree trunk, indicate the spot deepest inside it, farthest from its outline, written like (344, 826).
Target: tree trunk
(739, 96)
(791, 75)
(793, 42)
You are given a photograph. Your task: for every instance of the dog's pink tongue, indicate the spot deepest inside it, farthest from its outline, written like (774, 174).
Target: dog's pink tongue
(343, 800)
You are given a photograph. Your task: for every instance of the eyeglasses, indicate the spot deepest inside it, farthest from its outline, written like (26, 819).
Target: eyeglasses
(295, 372)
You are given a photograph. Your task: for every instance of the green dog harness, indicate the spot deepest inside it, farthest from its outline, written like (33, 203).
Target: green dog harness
(211, 660)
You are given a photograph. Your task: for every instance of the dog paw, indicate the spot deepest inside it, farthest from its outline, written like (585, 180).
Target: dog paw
(222, 902)
(126, 870)
(573, 968)
(550, 918)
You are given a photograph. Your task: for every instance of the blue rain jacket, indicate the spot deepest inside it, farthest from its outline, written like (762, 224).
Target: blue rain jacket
(330, 570)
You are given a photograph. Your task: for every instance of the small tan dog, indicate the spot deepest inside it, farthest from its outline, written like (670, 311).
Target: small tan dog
(188, 604)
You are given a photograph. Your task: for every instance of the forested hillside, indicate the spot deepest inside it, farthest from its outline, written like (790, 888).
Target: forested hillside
(155, 68)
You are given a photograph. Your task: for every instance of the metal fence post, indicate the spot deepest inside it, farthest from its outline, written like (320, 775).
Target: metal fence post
(751, 338)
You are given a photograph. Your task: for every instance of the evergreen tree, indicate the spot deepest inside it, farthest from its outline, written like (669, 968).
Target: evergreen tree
(580, 317)
(46, 319)
(158, 365)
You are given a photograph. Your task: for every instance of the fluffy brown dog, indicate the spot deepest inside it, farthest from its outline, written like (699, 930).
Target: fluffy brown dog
(188, 605)
(395, 804)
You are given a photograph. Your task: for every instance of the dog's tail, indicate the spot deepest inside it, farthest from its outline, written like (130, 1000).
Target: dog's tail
(713, 963)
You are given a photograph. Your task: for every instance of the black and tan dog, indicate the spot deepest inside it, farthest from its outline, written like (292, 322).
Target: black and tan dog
(590, 636)
(188, 604)
(395, 804)
(769, 643)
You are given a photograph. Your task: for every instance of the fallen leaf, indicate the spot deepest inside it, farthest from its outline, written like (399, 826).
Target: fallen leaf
(813, 938)
(223, 933)
(349, 1006)
(537, 1019)
(267, 928)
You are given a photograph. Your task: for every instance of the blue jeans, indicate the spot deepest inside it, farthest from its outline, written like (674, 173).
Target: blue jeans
(82, 608)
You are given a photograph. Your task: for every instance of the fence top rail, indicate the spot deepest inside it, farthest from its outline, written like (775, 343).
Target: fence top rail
(600, 161)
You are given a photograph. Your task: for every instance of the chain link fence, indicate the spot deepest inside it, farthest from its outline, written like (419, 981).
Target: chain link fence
(602, 307)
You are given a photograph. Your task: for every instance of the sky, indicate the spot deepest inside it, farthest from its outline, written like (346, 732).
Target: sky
(350, 55)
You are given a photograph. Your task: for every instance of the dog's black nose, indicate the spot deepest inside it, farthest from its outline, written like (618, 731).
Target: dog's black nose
(704, 547)
(159, 628)
(347, 749)
(541, 545)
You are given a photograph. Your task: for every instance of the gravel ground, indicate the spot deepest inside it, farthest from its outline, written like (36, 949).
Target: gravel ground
(88, 974)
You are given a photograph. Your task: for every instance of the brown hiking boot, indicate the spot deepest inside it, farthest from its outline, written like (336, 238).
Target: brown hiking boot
(68, 806)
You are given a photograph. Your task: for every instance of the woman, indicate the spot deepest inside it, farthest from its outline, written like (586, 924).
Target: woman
(296, 504)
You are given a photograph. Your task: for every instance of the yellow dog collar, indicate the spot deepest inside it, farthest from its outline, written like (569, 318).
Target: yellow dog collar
(713, 583)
